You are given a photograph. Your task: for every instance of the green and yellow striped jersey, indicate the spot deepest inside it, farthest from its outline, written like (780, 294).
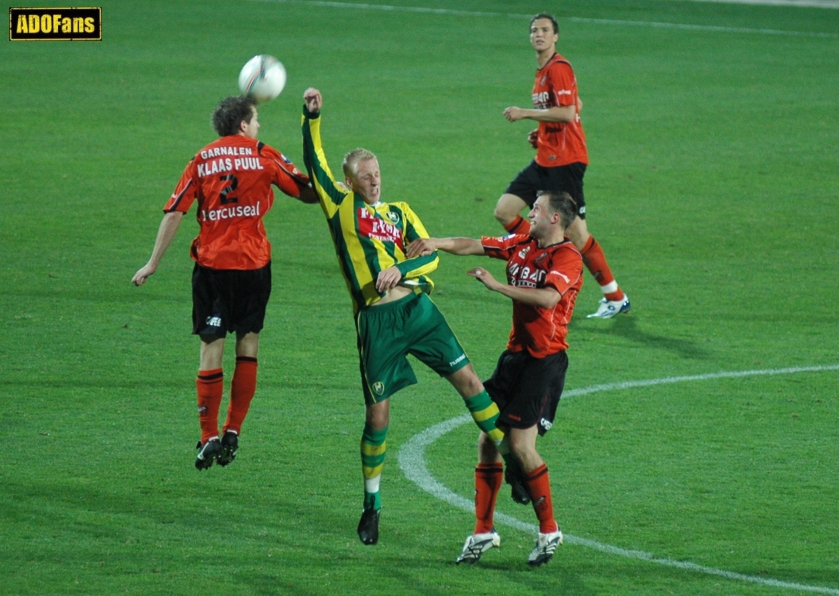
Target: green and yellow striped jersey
(368, 239)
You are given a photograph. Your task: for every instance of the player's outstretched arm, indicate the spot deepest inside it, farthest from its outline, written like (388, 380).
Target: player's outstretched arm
(456, 246)
(552, 114)
(165, 234)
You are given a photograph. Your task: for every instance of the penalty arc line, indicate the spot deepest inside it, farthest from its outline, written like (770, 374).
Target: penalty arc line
(412, 462)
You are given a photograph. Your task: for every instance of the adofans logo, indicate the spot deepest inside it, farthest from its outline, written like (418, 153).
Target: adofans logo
(55, 24)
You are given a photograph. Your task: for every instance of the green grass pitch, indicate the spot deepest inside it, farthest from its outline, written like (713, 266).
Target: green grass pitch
(712, 132)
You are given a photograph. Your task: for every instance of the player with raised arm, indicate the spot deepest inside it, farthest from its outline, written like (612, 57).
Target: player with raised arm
(231, 180)
(394, 316)
(544, 276)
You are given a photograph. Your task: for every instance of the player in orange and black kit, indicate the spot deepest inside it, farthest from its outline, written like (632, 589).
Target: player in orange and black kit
(561, 159)
(544, 276)
(231, 178)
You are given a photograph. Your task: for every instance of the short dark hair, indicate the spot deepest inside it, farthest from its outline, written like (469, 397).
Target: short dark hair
(562, 203)
(230, 112)
(544, 15)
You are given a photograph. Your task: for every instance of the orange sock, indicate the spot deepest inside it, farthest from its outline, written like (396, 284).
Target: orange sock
(242, 390)
(210, 386)
(518, 226)
(596, 263)
(488, 478)
(538, 486)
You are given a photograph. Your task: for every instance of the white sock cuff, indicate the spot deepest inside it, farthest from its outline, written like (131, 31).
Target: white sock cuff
(371, 485)
(609, 288)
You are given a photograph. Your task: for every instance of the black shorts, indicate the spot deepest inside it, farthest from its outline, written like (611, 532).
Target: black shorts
(534, 178)
(527, 389)
(226, 300)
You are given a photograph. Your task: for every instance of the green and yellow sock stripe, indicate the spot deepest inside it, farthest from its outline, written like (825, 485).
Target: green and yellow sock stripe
(485, 414)
(373, 448)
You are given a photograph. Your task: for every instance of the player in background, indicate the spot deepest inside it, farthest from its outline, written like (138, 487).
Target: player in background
(544, 276)
(231, 178)
(394, 316)
(561, 159)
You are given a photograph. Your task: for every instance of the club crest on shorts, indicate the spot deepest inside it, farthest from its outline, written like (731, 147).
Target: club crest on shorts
(378, 388)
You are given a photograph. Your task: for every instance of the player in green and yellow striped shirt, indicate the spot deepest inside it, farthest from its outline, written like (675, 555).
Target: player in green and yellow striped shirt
(393, 315)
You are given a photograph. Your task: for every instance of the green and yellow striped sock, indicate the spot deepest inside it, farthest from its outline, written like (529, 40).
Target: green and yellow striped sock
(485, 414)
(373, 448)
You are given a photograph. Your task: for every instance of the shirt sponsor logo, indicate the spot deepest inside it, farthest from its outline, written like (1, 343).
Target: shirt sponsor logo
(525, 277)
(541, 98)
(231, 212)
(374, 227)
(541, 101)
(55, 24)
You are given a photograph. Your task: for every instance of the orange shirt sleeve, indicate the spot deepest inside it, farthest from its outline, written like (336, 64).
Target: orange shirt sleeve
(185, 192)
(502, 247)
(563, 84)
(565, 270)
(288, 178)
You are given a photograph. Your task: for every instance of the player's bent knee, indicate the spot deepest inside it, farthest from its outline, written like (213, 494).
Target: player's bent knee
(378, 414)
(508, 208)
(523, 445)
(502, 216)
(466, 382)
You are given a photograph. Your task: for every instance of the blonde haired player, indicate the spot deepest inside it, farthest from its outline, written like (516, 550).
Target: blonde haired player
(394, 316)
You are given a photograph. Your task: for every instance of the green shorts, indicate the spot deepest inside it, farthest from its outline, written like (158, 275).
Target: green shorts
(388, 333)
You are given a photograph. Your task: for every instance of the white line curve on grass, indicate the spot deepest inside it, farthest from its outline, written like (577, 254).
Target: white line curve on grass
(468, 13)
(411, 459)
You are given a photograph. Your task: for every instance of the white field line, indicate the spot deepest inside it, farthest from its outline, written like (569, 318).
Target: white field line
(797, 3)
(412, 462)
(447, 11)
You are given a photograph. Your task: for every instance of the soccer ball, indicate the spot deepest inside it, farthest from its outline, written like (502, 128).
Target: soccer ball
(262, 77)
